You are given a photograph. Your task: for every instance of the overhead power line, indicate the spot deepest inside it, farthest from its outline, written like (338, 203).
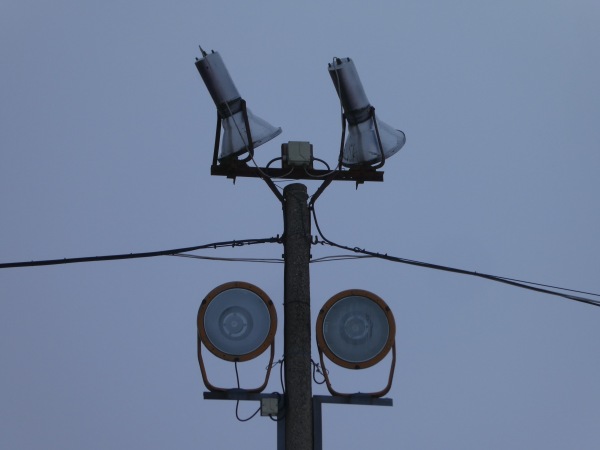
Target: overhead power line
(330, 258)
(174, 251)
(537, 287)
(184, 252)
(216, 258)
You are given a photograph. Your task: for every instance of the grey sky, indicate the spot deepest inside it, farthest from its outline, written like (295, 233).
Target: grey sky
(106, 134)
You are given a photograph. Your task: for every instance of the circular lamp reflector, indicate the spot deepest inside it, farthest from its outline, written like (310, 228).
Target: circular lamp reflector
(237, 321)
(355, 329)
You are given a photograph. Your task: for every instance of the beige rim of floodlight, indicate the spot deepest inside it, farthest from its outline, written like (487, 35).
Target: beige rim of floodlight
(204, 339)
(389, 344)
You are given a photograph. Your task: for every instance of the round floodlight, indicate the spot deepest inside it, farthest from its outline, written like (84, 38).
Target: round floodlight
(237, 321)
(355, 329)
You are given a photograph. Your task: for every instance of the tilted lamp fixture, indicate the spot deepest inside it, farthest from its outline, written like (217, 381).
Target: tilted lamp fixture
(356, 330)
(236, 322)
(370, 140)
(242, 130)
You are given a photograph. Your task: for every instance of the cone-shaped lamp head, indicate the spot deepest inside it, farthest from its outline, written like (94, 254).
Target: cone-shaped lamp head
(231, 111)
(362, 146)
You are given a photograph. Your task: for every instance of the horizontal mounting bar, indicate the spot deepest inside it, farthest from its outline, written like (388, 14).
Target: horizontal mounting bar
(354, 400)
(296, 173)
(238, 394)
(358, 399)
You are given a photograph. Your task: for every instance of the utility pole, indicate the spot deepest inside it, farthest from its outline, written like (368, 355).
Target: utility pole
(297, 322)
(370, 141)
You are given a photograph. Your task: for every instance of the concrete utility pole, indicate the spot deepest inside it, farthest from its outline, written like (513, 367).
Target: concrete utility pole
(297, 322)
(297, 417)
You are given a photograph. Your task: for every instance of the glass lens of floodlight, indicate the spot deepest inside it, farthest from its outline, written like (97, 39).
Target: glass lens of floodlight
(356, 329)
(237, 321)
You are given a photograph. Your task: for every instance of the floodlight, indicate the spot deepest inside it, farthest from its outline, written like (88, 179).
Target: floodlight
(242, 130)
(236, 322)
(356, 330)
(370, 140)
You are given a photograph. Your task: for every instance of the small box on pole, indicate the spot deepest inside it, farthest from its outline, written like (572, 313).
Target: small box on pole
(296, 154)
(269, 406)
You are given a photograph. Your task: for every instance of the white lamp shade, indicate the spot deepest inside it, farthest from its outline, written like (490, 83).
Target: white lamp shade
(235, 137)
(362, 146)
(228, 101)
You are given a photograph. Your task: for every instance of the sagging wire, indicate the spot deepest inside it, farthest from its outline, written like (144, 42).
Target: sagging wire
(171, 252)
(279, 417)
(332, 258)
(237, 403)
(281, 363)
(325, 175)
(279, 158)
(215, 258)
(537, 287)
(317, 369)
(322, 161)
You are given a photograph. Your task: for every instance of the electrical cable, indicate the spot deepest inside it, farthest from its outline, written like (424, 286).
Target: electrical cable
(338, 258)
(215, 258)
(325, 175)
(171, 252)
(550, 286)
(237, 415)
(512, 282)
(237, 404)
(279, 417)
(317, 368)
(529, 285)
(281, 377)
(322, 161)
(330, 258)
(280, 362)
(280, 158)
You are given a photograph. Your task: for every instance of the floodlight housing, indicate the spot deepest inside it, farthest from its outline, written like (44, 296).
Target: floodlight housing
(236, 322)
(356, 330)
(370, 140)
(242, 130)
